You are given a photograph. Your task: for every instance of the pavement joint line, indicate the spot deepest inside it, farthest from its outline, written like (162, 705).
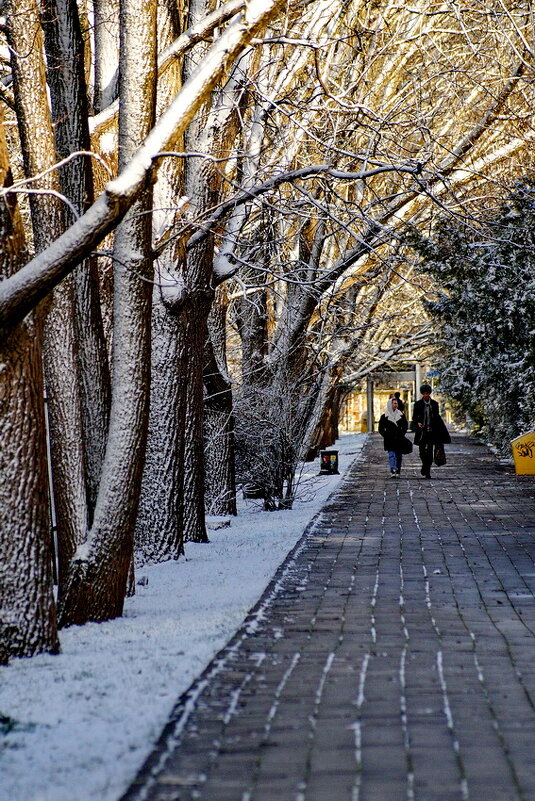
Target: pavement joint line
(501, 736)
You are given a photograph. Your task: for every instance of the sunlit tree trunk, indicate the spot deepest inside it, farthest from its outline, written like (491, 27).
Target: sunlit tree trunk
(106, 55)
(195, 314)
(47, 220)
(198, 296)
(159, 529)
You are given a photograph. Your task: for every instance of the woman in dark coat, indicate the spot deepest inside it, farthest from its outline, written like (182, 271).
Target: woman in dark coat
(430, 429)
(392, 427)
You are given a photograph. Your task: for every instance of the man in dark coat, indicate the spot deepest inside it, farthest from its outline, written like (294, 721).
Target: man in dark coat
(429, 427)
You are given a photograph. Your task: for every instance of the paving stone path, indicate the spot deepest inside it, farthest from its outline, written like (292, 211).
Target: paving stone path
(392, 659)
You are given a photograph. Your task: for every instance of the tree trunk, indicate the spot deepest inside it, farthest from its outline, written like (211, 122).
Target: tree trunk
(28, 620)
(66, 433)
(159, 527)
(195, 315)
(199, 185)
(31, 99)
(68, 91)
(106, 53)
(76, 365)
(219, 418)
(27, 611)
(98, 576)
(47, 221)
(27, 60)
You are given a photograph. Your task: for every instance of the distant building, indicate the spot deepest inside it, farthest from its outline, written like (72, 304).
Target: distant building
(374, 392)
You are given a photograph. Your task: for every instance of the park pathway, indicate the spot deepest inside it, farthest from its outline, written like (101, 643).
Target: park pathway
(392, 658)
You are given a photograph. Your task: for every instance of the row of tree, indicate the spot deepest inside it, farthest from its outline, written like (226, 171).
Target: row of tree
(201, 215)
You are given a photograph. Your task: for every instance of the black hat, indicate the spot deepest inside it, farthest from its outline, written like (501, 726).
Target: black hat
(426, 388)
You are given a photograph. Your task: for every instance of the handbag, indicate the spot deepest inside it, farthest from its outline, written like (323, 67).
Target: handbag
(405, 445)
(439, 456)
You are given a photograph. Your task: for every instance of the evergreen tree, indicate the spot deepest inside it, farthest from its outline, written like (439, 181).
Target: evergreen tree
(485, 312)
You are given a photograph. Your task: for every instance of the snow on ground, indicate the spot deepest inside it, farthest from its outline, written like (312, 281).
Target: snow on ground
(78, 726)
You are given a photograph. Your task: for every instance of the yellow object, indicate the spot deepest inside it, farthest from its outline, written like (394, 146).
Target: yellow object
(364, 423)
(524, 454)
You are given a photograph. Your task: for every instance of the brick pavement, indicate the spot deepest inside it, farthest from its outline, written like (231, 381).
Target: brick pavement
(392, 658)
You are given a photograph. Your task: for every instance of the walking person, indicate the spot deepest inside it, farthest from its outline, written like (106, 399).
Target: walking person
(392, 427)
(401, 404)
(430, 429)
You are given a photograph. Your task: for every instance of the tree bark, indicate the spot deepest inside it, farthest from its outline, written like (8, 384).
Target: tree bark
(76, 368)
(27, 60)
(159, 526)
(97, 582)
(199, 186)
(106, 56)
(47, 220)
(27, 611)
(194, 314)
(65, 62)
(219, 416)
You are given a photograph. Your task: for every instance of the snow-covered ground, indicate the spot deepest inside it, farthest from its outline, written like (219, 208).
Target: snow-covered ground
(78, 726)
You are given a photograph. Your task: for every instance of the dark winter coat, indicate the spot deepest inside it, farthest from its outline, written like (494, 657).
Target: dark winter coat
(392, 433)
(439, 433)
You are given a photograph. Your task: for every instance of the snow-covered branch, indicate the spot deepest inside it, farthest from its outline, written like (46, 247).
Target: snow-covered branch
(21, 293)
